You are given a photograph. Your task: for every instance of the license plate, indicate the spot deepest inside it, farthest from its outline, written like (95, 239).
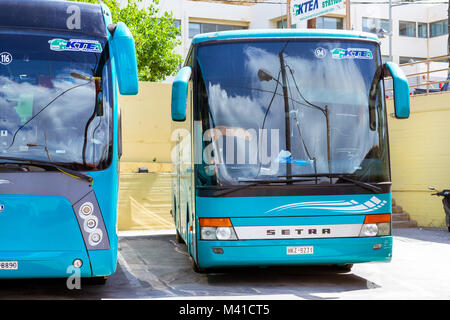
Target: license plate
(300, 250)
(9, 265)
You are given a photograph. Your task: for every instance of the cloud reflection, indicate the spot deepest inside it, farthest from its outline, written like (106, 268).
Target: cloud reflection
(242, 101)
(59, 126)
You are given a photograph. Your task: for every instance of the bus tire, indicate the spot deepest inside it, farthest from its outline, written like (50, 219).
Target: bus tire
(178, 238)
(345, 267)
(197, 269)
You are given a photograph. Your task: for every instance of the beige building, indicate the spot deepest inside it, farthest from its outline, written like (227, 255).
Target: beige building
(419, 31)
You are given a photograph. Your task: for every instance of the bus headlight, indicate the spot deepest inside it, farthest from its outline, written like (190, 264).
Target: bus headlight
(92, 225)
(384, 229)
(369, 230)
(376, 225)
(86, 209)
(224, 233)
(95, 237)
(208, 233)
(216, 229)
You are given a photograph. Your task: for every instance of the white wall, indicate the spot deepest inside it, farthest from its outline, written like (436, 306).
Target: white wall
(265, 15)
(186, 11)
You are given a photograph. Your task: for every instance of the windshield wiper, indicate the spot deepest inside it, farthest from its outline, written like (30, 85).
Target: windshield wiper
(44, 164)
(258, 183)
(342, 176)
(365, 185)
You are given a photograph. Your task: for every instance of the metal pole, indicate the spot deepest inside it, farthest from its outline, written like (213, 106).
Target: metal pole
(347, 13)
(390, 31)
(327, 115)
(288, 14)
(286, 114)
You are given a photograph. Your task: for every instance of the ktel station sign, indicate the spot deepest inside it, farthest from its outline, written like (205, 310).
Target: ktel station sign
(303, 10)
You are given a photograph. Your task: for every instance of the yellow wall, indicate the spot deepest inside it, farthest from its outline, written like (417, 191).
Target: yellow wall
(420, 148)
(146, 124)
(145, 199)
(420, 157)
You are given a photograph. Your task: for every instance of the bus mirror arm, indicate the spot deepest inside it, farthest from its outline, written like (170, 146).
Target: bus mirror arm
(112, 28)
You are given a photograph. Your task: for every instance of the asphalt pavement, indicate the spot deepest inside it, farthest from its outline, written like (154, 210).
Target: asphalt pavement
(155, 266)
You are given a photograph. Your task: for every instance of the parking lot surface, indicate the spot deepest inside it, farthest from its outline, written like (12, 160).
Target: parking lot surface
(157, 267)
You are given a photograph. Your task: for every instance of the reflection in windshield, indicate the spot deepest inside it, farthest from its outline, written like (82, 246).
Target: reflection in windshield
(327, 127)
(48, 113)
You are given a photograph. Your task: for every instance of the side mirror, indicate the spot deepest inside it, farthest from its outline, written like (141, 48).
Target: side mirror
(124, 52)
(179, 94)
(401, 90)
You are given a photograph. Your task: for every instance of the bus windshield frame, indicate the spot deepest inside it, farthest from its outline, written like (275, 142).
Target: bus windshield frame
(56, 100)
(323, 85)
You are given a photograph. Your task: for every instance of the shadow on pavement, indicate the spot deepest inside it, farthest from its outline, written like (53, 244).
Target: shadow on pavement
(159, 267)
(116, 287)
(169, 273)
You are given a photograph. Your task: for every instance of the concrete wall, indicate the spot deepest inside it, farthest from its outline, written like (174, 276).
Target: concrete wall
(420, 148)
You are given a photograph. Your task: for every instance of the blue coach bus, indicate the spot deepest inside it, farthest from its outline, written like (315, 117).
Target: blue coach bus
(60, 136)
(281, 148)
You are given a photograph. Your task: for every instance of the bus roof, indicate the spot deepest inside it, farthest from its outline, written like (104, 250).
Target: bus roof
(53, 15)
(283, 33)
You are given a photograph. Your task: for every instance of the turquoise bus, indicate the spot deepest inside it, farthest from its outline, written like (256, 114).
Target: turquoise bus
(281, 149)
(60, 137)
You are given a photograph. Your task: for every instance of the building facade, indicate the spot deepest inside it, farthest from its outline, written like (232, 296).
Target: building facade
(419, 31)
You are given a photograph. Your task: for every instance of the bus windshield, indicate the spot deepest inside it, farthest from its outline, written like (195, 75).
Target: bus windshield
(271, 109)
(55, 103)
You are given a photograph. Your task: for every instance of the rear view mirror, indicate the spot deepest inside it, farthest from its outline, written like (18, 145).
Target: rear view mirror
(124, 52)
(179, 94)
(401, 90)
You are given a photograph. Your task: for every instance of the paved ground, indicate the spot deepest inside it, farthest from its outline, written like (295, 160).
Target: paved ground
(145, 201)
(156, 266)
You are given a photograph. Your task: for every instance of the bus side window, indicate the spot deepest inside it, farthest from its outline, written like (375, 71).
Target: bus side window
(205, 171)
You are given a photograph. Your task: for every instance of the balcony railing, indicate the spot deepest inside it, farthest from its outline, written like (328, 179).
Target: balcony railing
(427, 86)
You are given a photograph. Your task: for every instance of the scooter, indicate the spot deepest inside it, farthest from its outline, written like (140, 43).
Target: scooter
(446, 202)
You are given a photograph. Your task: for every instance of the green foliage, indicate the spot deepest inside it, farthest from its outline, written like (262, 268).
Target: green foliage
(155, 37)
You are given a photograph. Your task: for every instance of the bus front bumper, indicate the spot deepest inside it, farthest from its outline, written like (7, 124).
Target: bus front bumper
(44, 264)
(213, 254)
(57, 264)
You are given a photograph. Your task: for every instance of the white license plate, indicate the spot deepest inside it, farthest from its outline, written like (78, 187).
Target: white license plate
(300, 250)
(9, 265)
